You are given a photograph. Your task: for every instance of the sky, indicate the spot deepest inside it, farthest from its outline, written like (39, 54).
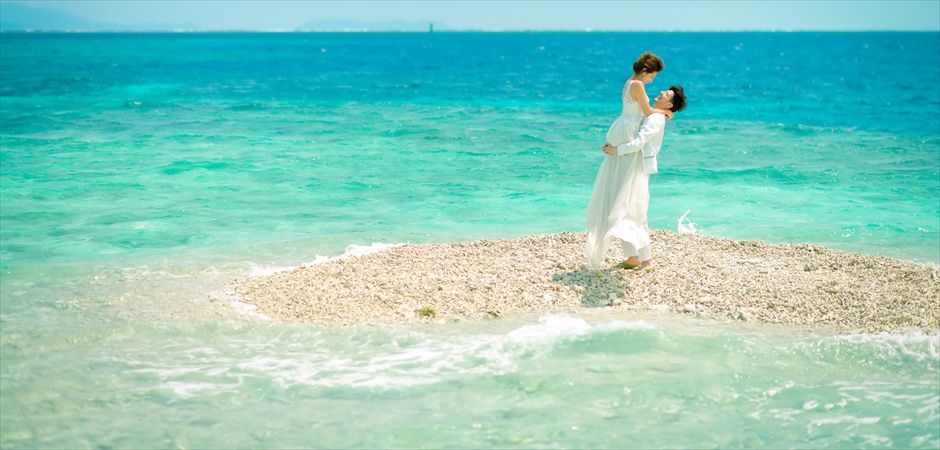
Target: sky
(665, 15)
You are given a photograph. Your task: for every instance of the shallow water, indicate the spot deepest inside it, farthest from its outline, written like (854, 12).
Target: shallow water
(558, 382)
(141, 173)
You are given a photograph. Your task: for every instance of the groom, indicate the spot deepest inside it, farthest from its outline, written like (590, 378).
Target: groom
(648, 141)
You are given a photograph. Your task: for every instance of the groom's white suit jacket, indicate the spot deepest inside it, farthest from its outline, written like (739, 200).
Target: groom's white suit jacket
(649, 140)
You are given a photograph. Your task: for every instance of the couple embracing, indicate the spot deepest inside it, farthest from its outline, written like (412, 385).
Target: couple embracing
(620, 199)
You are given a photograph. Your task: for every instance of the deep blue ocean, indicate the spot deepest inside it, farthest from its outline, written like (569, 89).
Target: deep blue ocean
(142, 173)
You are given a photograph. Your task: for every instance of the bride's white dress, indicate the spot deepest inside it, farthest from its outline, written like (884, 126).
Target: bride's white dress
(621, 194)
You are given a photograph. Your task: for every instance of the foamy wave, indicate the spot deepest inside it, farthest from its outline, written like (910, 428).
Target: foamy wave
(263, 271)
(931, 264)
(248, 310)
(352, 250)
(911, 349)
(689, 227)
(550, 329)
(380, 358)
(425, 359)
(913, 344)
(360, 250)
(618, 325)
(555, 327)
(146, 273)
(898, 337)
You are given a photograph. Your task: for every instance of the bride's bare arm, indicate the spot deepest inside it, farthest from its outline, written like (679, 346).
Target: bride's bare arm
(638, 92)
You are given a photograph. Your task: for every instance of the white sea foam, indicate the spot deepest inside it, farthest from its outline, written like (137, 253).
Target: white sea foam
(146, 273)
(550, 329)
(263, 271)
(689, 227)
(555, 327)
(352, 251)
(912, 343)
(382, 358)
(248, 310)
(912, 348)
(361, 250)
(617, 325)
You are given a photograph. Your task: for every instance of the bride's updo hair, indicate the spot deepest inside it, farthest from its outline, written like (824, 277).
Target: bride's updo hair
(648, 63)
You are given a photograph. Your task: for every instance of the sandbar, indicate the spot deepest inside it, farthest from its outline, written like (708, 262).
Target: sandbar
(709, 277)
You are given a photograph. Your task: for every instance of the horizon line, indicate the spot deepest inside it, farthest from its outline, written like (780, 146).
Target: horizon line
(367, 30)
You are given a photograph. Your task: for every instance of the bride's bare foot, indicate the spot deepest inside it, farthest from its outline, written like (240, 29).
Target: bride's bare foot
(645, 264)
(631, 263)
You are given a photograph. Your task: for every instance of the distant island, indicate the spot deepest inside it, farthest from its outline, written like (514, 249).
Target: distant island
(20, 17)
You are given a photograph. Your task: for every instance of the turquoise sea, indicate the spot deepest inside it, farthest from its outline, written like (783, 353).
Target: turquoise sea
(142, 173)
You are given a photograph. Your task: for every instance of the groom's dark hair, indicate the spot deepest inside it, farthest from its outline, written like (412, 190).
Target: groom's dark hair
(678, 100)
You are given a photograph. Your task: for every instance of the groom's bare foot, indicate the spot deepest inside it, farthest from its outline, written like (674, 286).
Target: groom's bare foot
(645, 265)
